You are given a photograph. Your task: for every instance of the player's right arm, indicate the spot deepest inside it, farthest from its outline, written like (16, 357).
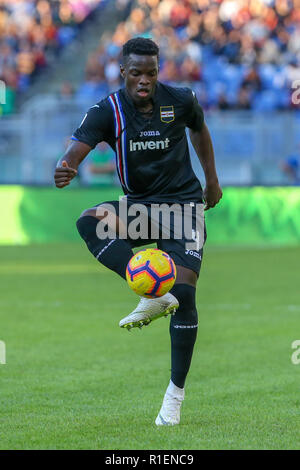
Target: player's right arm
(67, 166)
(96, 126)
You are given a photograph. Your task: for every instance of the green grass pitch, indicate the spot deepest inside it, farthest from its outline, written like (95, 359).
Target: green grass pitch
(75, 380)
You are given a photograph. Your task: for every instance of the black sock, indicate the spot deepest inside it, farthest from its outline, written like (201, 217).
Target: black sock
(112, 253)
(183, 332)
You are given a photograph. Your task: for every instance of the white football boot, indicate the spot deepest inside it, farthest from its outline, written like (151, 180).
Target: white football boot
(149, 310)
(169, 414)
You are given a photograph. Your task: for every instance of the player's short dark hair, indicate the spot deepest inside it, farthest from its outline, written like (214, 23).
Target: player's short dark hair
(140, 46)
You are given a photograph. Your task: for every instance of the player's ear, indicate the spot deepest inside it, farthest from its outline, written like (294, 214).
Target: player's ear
(122, 71)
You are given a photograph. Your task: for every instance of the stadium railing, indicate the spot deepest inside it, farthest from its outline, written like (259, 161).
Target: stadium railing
(248, 146)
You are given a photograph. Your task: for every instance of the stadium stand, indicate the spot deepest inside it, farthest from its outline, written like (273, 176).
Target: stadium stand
(32, 35)
(236, 54)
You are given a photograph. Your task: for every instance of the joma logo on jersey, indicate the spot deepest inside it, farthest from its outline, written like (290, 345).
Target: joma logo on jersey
(167, 114)
(149, 145)
(149, 133)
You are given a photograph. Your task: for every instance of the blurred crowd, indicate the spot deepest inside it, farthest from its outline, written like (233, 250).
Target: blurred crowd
(235, 54)
(32, 31)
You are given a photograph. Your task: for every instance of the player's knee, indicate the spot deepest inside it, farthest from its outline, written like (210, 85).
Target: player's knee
(99, 212)
(89, 219)
(186, 296)
(89, 212)
(86, 226)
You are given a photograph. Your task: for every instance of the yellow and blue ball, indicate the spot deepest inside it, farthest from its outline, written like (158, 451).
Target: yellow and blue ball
(151, 273)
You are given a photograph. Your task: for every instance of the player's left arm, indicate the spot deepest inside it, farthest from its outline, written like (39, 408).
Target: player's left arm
(203, 146)
(202, 143)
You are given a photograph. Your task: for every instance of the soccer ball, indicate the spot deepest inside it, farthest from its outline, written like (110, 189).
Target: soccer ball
(151, 273)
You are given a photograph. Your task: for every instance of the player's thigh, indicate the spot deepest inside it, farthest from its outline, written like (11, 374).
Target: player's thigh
(185, 242)
(130, 221)
(188, 262)
(108, 213)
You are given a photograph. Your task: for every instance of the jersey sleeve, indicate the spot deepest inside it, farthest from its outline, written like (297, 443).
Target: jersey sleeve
(194, 113)
(96, 126)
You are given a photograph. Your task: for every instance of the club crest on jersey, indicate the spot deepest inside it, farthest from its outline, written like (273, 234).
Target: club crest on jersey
(167, 114)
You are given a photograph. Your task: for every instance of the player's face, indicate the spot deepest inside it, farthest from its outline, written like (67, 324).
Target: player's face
(140, 75)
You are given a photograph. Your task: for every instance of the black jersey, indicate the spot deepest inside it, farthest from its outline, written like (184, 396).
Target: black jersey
(152, 154)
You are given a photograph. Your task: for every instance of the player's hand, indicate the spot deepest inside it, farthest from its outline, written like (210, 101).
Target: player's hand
(212, 194)
(63, 175)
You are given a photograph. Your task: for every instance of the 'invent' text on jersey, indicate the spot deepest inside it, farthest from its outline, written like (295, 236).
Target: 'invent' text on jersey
(152, 155)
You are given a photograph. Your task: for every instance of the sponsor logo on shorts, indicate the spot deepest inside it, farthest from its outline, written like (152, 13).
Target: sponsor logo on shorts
(193, 253)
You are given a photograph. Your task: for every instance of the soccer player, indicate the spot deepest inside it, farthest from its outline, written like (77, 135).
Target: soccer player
(145, 124)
